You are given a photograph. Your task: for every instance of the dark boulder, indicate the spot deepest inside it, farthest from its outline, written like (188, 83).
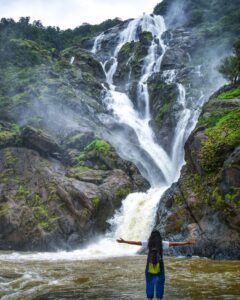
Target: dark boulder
(40, 141)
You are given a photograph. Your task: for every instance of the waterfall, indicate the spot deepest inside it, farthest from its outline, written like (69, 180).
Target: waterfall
(122, 106)
(136, 217)
(97, 43)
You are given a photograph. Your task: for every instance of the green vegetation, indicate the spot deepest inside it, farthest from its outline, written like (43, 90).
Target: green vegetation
(122, 192)
(217, 198)
(100, 147)
(41, 213)
(161, 113)
(222, 137)
(213, 18)
(78, 172)
(9, 157)
(230, 94)
(222, 201)
(194, 182)
(126, 51)
(139, 53)
(23, 192)
(140, 50)
(162, 7)
(51, 38)
(23, 53)
(96, 201)
(162, 95)
(127, 48)
(52, 191)
(4, 209)
(230, 67)
(145, 37)
(5, 134)
(9, 133)
(212, 21)
(211, 118)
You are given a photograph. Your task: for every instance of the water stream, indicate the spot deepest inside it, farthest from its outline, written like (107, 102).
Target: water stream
(115, 278)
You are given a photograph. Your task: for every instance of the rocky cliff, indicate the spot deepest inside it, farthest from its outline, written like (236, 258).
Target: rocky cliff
(205, 203)
(59, 180)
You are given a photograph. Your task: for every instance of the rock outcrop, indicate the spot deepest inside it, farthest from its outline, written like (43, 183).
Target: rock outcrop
(46, 204)
(60, 181)
(205, 203)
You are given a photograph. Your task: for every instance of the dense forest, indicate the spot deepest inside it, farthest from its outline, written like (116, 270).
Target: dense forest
(50, 37)
(218, 18)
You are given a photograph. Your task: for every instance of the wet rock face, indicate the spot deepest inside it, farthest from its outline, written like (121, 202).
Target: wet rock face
(163, 90)
(204, 204)
(180, 217)
(40, 141)
(59, 180)
(46, 206)
(163, 108)
(108, 42)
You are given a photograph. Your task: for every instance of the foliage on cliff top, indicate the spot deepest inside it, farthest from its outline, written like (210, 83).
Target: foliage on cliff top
(50, 37)
(214, 16)
(230, 67)
(235, 92)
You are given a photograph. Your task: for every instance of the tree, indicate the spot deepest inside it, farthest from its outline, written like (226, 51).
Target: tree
(230, 67)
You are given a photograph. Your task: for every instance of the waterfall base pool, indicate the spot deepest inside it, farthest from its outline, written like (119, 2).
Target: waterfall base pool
(117, 278)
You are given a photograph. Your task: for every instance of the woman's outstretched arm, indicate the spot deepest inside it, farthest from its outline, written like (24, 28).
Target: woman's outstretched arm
(138, 243)
(174, 244)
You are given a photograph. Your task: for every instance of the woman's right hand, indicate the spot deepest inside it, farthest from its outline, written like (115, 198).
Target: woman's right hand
(190, 242)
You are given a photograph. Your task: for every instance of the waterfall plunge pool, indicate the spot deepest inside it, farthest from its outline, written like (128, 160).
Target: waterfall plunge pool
(116, 278)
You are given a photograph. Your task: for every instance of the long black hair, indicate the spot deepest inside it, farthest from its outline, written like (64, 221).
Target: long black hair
(155, 242)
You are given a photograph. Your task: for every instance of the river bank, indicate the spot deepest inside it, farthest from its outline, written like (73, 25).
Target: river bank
(114, 278)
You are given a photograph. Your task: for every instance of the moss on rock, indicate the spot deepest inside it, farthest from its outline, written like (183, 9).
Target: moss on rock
(222, 137)
(161, 113)
(99, 146)
(235, 92)
(122, 192)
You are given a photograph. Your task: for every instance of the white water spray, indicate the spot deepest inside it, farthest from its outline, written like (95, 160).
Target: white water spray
(137, 215)
(97, 43)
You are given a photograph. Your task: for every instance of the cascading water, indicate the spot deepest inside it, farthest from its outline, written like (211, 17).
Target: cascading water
(136, 217)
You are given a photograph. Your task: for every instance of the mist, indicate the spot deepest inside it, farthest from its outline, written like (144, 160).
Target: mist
(211, 47)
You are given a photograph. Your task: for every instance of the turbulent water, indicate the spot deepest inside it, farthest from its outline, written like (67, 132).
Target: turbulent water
(118, 278)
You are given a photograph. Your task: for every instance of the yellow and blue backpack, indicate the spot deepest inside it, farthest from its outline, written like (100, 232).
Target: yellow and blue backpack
(154, 261)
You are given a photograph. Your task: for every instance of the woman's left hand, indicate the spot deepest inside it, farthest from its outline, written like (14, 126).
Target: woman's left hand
(120, 240)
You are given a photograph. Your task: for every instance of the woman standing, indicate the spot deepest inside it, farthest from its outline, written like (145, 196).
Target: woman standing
(155, 275)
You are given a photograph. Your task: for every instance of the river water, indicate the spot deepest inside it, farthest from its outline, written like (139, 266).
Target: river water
(115, 278)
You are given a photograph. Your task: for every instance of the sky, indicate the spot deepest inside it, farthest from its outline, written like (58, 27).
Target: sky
(72, 13)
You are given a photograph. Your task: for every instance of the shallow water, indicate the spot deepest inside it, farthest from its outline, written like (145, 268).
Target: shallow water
(116, 278)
